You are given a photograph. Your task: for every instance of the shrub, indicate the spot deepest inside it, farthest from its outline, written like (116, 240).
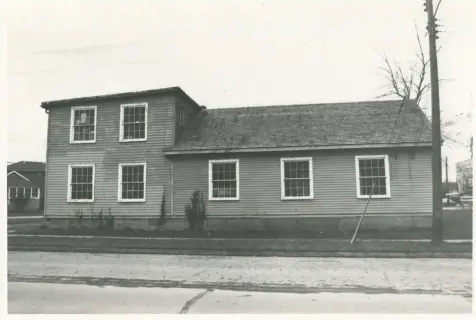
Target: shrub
(79, 218)
(19, 202)
(195, 211)
(109, 220)
(162, 210)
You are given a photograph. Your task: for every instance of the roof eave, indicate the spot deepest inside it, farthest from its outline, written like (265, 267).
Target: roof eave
(172, 152)
(176, 90)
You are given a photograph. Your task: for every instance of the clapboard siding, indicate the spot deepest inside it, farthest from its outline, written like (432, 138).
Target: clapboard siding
(107, 153)
(334, 184)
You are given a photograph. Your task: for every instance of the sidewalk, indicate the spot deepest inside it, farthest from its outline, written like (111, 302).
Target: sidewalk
(281, 274)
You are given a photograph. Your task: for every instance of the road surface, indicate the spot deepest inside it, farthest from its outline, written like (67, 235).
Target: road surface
(36, 298)
(103, 283)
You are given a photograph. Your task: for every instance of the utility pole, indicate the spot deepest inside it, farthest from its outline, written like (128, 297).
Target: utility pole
(446, 170)
(437, 223)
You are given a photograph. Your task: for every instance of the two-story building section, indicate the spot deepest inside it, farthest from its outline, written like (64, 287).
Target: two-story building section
(310, 167)
(106, 153)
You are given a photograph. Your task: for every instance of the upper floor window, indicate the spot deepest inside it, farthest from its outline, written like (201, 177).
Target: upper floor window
(133, 122)
(180, 115)
(83, 125)
(81, 183)
(224, 180)
(296, 178)
(132, 182)
(372, 171)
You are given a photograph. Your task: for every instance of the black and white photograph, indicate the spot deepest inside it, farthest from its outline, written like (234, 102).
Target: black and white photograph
(252, 157)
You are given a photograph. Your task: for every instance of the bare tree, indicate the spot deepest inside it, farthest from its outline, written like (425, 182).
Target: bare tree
(412, 83)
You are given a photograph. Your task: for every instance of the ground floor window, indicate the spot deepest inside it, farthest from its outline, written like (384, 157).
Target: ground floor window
(372, 171)
(81, 183)
(296, 178)
(224, 181)
(30, 193)
(132, 182)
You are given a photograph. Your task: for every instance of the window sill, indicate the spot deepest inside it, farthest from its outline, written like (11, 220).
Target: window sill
(133, 140)
(80, 201)
(374, 197)
(297, 198)
(131, 200)
(223, 199)
(83, 141)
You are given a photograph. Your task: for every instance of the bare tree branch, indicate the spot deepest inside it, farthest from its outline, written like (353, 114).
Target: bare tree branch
(411, 83)
(436, 10)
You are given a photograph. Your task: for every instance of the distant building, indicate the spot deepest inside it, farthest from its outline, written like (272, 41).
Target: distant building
(464, 176)
(26, 179)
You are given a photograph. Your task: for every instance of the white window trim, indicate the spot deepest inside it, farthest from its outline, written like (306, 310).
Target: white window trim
(387, 175)
(70, 171)
(31, 192)
(71, 125)
(311, 179)
(121, 127)
(119, 182)
(20, 175)
(38, 197)
(210, 176)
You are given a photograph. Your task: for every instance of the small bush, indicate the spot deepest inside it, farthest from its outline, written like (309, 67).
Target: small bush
(162, 210)
(195, 212)
(19, 202)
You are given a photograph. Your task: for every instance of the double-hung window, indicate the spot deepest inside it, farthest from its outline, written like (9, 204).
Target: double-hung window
(132, 182)
(224, 179)
(296, 178)
(31, 193)
(81, 183)
(83, 125)
(372, 171)
(133, 122)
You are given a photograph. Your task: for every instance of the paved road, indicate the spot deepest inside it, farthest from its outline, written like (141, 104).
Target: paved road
(66, 299)
(431, 276)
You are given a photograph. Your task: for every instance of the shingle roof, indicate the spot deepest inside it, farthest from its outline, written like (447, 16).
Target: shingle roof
(27, 166)
(310, 125)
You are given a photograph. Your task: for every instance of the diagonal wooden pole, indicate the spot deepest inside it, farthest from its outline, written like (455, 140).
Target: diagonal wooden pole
(363, 213)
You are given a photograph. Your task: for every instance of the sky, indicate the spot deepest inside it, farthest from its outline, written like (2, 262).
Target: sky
(226, 54)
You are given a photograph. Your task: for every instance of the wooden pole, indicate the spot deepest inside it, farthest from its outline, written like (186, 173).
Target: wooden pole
(437, 223)
(363, 213)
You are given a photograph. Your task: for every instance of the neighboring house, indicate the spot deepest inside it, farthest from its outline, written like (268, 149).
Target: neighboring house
(464, 176)
(26, 179)
(293, 166)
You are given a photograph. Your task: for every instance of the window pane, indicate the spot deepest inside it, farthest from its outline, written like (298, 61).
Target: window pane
(297, 187)
(224, 180)
(81, 183)
(12, 192)
(133, 182)
(83, 126)
(380, 187)
(35, 192)
(134, 122)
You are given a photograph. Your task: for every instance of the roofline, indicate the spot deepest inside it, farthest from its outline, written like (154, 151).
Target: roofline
(175, 90)
(18, 174)
(314, 104)
(308, 148)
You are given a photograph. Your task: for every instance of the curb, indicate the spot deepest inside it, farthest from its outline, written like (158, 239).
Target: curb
(436, 255)
(224, 239)
(230, 286)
